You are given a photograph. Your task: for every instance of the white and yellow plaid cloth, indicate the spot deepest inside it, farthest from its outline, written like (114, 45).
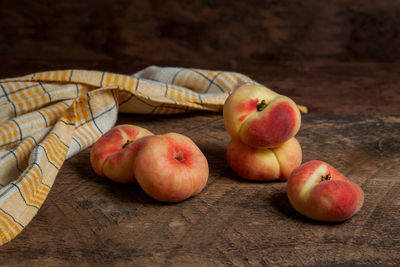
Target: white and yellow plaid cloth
(48, 117)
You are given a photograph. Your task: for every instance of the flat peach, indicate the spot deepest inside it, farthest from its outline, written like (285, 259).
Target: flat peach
(259, 117)
(264, 164)
(319, 191)
(171, 168)
(114, 153)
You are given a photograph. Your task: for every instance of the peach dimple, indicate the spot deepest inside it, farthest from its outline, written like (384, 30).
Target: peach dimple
(119, 166)
(247, 108)
(108, 144)
(276, 127)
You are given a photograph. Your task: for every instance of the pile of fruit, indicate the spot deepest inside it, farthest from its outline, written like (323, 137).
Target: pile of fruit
(168, 167)
(263, 125)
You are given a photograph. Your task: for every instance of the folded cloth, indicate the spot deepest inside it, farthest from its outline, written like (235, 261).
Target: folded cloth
(47, 117)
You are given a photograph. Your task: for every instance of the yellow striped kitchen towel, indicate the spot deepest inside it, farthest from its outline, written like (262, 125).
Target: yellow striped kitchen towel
(47, 117)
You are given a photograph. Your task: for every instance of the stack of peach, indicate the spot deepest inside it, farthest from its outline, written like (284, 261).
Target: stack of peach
(262, 125)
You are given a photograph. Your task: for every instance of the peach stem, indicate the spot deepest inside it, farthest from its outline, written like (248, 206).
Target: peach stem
(127, 143)
(262, 105)
(326, 177)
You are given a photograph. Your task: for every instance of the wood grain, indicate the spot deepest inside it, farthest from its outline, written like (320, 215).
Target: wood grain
(324, 87)
(201, 31)
(90, 220)
(335, 57)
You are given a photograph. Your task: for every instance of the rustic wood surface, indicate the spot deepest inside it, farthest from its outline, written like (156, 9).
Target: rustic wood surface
(340, 59)
(91, 220)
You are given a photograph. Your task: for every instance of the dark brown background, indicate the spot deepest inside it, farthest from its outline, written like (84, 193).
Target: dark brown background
(340, 58)
(334, 56)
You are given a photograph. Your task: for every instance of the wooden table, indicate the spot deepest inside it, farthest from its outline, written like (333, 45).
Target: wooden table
(88, 219)
(340, 60)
